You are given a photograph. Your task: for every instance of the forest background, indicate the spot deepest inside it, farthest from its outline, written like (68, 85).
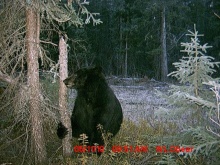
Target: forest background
(130, 39)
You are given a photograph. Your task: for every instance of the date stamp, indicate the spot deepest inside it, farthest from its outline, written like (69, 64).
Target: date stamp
(173, 149)
(83, 149)
(133, 149)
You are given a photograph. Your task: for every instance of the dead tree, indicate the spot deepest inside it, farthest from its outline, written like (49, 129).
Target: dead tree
(65, 116)
(32, 45)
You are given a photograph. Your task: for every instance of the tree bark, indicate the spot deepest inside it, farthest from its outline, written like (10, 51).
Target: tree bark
(164, 67)
(65, 116)
(126, 57)
(120, 47)
(32, 41)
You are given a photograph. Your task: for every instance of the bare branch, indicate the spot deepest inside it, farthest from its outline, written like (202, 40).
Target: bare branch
(217, 15)
(6, 78)
(47, 42)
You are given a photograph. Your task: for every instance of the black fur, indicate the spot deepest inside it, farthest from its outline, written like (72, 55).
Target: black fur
(95, 104)
(61, 131)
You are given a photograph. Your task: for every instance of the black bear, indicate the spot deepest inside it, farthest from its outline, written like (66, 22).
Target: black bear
(95, 104)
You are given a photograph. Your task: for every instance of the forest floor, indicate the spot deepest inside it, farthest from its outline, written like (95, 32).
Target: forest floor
(139, 98)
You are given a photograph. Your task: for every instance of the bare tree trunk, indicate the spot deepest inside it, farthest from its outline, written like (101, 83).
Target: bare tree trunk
(32, 41)
(126, 56)
(120, 47)
(164, 67)
(65, 116)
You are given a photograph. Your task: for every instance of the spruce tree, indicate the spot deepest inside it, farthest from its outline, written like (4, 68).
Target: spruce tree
(196, 67)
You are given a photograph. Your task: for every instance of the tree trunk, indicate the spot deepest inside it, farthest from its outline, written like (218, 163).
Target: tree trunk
(32, 41)
(126, 57)
(164, 67)
(65, 116)
(120, 64)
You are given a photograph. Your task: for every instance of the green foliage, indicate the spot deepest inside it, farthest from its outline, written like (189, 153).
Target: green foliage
(141, 22)
(204, 144)
(129, 135)
(142, 28)
(192, 98)
(191, 71)
(197, 67)
(167, 159)
(69, 20)
(61, 12)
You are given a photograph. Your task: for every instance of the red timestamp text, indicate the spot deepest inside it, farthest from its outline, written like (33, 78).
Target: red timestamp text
(83, 149)
(173, 149)
(136, 149)
(126, 148)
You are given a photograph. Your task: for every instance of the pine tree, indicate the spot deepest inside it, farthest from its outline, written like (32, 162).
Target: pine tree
(189, 101)
(192, 71)
(196, 67)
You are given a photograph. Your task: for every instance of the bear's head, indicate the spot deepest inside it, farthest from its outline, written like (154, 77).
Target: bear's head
(83, 76)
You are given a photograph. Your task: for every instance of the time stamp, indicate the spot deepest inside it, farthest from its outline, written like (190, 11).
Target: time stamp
(133, 149)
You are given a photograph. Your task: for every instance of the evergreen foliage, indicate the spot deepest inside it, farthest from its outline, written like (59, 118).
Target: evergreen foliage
(192, 99)
(140, 21)
(61, 12)
(167, 159)
(196, 67)
(204, 143)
